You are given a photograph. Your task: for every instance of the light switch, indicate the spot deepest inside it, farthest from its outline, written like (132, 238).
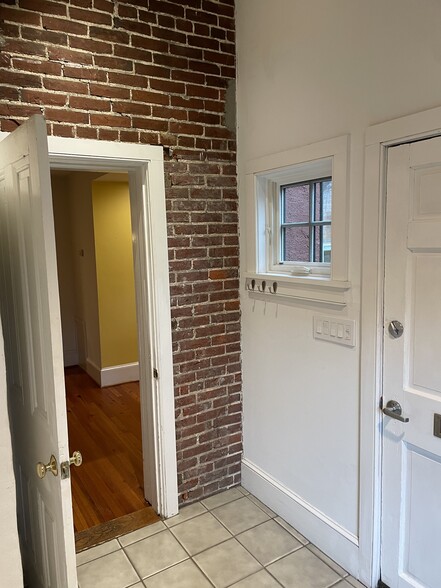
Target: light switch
(333, 329)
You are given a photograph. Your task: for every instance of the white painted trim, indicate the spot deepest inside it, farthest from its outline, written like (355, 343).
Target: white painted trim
(421, 125)
(119, 374)
(147, 193)
(328, 535)
(94, 371)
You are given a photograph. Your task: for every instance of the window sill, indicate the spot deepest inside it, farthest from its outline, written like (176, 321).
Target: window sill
(280, 289)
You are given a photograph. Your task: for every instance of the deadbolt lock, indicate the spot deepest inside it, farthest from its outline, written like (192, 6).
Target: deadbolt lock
(396, 329)
(76, 460)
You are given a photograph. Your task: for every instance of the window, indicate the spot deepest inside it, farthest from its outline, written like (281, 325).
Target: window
(297, 221)
(305, 222)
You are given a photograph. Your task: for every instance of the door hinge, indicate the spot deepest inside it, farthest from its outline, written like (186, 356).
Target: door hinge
(155, 373)
(381, 584)
(381, 403)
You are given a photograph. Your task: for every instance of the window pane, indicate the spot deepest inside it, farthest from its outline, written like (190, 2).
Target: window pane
(323, 201)
(327, 202)
(295, 244)
(295, 207)
(322, 244)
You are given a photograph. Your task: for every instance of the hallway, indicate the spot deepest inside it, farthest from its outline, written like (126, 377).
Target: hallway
(230, 539)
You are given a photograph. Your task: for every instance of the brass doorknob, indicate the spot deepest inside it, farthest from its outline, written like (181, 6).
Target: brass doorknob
(76, 459)
(52, 466)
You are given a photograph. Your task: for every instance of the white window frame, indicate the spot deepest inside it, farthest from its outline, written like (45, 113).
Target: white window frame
(263, 178)
(272, 184)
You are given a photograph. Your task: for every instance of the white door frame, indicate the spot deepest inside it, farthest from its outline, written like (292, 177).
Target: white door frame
(378, 139)
(145, 166)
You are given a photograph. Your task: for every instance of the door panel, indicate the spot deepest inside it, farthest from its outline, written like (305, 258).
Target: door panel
(411, 541)
(34, 359)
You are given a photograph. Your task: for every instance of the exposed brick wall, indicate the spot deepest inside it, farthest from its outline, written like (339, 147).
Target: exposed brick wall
(155, 71)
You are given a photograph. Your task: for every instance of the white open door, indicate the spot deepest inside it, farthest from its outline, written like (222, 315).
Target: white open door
(34, 356)
(411, 516)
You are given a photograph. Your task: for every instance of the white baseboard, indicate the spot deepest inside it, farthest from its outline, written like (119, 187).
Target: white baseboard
(338, 543)
(113, 375)
(119, 374)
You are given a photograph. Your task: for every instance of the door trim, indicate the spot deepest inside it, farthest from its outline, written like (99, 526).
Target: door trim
(378, 139)
(144, 164)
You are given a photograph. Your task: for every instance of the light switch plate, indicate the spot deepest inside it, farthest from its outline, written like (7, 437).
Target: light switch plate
(334, 329)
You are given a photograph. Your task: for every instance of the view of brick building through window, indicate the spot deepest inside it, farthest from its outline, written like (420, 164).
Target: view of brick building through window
(306, 222)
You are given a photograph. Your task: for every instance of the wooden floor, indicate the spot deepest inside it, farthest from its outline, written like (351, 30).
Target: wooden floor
(105, 425)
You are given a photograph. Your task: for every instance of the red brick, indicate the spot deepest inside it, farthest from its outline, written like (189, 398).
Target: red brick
(90, 16)
(150, 44)
(110, 35)
(132, 53)
(24, 47)
(104, 5)
(85, 73)
(21, 80)
(109, 120)
(68, 56)
(107, 91)
(154, 97)
(19, 16)
(62, 130)
(34, 66)
(131, 107)
(87, 133)
(18, 110)
(64, 25)
(166, 7)
(41, 97)
(44, 36)
(90, 45)
(155, 71)
(45, 6)
(62, 85)
(113, 63)
(167, 86)
(70, 116)
(132, 26)
(108, 135)
(82, 103)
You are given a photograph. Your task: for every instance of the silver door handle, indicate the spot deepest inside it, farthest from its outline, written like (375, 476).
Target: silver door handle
(393, 410)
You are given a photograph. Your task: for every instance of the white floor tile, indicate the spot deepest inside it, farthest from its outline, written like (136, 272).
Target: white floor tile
(222, 498)
(200, 533)
(185, 513)
(268, 542)
(111, 571)
(260, 580)
(142, 533)
(183, 575)
(156, 553)
(98, 551)
(291, 530)
(227, 563)
(303, 569)
(240, 515)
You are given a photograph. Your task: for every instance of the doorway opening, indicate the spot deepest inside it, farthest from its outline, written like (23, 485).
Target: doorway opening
(96, 279)
(142, 167)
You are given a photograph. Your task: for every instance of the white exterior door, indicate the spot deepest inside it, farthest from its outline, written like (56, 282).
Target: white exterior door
(411, 517)
(34, 356)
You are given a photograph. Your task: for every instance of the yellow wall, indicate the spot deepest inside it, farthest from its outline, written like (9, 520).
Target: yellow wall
(115, 275)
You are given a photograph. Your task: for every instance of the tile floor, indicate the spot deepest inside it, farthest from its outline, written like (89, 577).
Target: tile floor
(230, 539)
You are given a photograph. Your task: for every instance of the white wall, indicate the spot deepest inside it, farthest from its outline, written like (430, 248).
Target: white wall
(309, 70)
(66, 276)
(84, 268)
(10, 561)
